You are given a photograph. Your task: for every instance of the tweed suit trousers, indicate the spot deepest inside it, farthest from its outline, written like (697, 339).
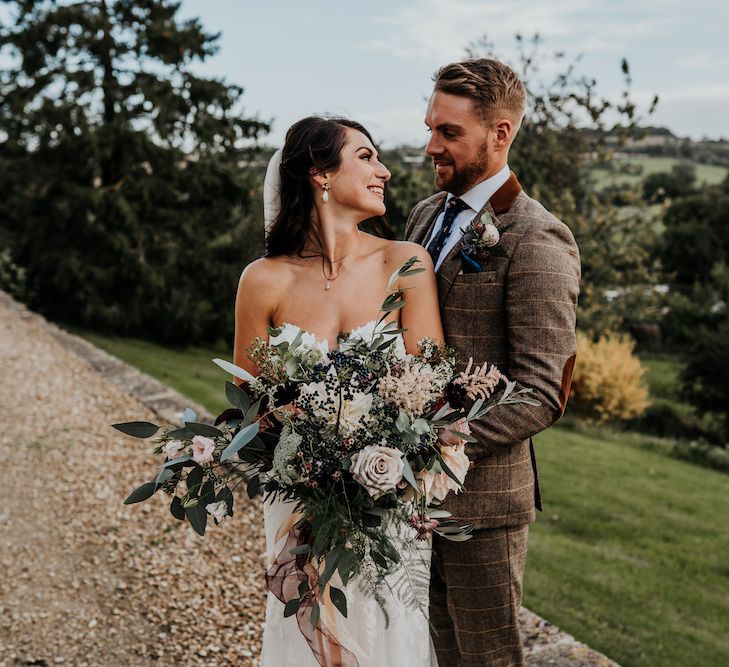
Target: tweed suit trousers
(475, 597)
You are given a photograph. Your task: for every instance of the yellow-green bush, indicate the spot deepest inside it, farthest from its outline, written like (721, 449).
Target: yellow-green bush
(608, 380)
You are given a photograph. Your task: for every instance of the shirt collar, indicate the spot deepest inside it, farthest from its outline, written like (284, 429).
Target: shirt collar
(480, 193)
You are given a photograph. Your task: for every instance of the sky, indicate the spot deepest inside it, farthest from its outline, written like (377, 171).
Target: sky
(373, 61)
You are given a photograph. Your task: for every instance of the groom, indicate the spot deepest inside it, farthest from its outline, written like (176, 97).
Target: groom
(508, 300)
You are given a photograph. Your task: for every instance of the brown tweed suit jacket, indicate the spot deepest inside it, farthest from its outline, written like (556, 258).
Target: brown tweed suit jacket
(519, 313)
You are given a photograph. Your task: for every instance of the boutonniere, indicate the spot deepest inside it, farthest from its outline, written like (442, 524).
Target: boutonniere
(480, 240)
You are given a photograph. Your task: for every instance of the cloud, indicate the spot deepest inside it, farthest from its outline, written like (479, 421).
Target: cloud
(436, 30)
(391, 127)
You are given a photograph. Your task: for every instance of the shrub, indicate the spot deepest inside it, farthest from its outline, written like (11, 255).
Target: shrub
(665, 421)
(608, 380)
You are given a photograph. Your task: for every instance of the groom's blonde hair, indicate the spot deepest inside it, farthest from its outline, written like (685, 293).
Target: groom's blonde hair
(492, 85)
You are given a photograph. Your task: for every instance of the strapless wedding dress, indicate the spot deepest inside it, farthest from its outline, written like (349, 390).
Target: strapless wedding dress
(365, 633)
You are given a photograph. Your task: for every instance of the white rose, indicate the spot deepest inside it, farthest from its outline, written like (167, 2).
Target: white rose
(217, 510)
(172, 449)
(202, 449)
(490, 235)
(438, 485)
(378, 469)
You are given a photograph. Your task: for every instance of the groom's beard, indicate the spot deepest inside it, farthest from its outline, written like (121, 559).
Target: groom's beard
(462, 179)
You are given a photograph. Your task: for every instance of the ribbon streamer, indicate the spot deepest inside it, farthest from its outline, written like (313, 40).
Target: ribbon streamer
(283, 578)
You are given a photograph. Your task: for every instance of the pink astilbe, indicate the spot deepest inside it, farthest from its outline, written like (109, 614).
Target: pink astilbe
(413, 389)
(481, 382)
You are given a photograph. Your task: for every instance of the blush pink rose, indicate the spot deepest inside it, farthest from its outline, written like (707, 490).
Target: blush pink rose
(438, 485)
(202, 449)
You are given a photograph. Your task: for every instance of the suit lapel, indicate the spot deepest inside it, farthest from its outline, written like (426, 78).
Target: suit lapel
(501, 201)
(422, 231)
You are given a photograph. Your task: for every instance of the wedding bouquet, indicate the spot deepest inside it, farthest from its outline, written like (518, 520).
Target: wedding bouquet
(351, 436)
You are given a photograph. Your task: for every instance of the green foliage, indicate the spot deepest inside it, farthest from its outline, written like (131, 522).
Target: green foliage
(409, 184)
(696, 236)
(118, 180)
(13, 278)
(561, 141)
(706, 372)
(679, 182)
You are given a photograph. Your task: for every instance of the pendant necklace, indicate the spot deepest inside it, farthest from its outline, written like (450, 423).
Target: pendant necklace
(330, 279)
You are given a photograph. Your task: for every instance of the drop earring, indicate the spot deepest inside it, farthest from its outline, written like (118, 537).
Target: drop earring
(325, 194)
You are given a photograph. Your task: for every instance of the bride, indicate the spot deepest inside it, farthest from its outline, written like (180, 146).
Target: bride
(323, 275)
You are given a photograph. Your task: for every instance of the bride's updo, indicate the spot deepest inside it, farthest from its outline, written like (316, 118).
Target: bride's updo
(311, 143)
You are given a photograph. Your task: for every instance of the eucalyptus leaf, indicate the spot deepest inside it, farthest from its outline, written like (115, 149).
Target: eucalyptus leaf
(300, 549)
(254, 486)
(444, 410)
(162, 476)
(207, 493)
(461, 537)
(402, 422)
(338, 600)
(393, 306)
(188, 415)
(474, 409)
(236, 396)
(379, 559)
(436, 513)
(421, 426)
(241, 439)
(198, 518)
(198, 428)
(407, 473)
(235, 371)
(292, 606)
(179, 433)
(179, 459)
(137, 429)
(176, 509)
(194, 480)
(251, 413)
(141, 493)
(462, 436)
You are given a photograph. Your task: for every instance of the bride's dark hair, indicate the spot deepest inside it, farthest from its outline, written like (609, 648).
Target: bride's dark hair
(311, 143)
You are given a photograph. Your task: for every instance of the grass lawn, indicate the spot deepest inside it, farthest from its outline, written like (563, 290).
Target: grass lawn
(705, 173)
(630, 555)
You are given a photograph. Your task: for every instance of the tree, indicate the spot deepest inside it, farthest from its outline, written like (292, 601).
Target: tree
(696, 236)
(117, 166)
(705, 374)
(679, 182)
(563, 136)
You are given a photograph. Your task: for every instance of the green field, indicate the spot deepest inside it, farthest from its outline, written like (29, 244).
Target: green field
(630, 555)
(705, 173)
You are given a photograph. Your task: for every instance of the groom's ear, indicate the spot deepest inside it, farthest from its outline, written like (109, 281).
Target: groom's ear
(504, 128)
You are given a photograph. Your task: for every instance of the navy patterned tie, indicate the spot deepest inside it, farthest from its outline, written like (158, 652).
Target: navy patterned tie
(452, 209)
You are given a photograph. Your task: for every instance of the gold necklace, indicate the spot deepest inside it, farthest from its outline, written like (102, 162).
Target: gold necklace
(330, 279)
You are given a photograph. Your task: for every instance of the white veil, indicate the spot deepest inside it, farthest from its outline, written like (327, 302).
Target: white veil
(272, 190)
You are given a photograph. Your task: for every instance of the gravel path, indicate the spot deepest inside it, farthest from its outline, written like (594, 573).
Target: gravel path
(89, 581)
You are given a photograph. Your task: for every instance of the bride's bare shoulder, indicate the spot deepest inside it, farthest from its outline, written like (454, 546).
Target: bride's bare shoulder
(266, 277)
(399, 252)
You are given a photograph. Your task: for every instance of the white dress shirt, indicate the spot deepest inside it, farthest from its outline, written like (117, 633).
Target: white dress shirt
(476, 199)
